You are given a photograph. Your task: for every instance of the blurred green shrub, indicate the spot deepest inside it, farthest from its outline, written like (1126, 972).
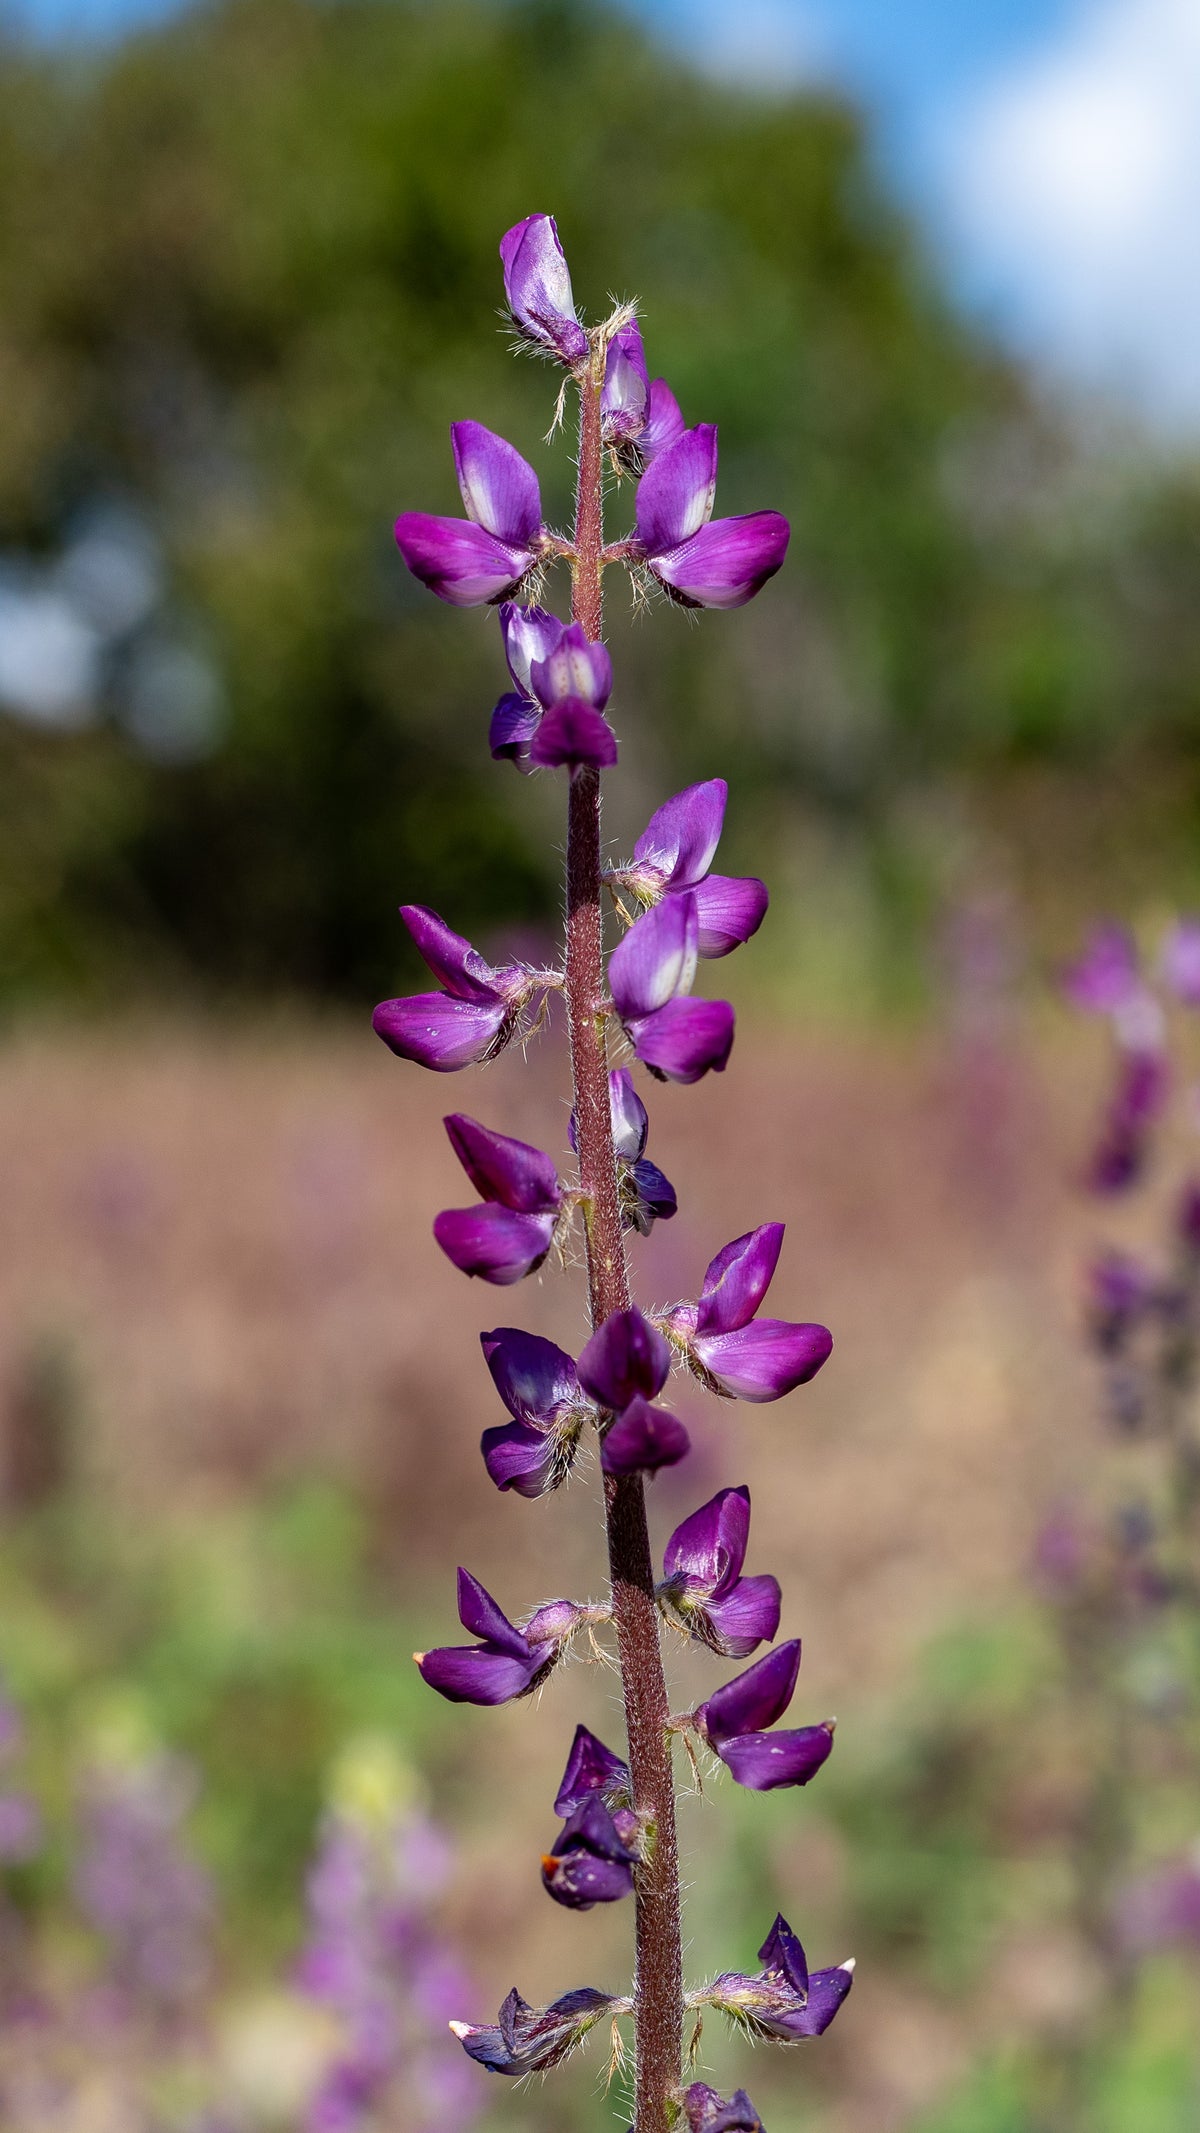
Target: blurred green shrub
(247, 273)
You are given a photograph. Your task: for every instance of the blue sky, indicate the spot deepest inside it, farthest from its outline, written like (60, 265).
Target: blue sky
(1052, 148)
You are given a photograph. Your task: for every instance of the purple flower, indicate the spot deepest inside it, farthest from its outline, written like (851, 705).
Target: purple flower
(1107, 978)
(673, 856)
(537, 289)
(702, 564)
(512, 1232)
(477, 1013)
(591, 1768)
(563, 681)
(709, 2113)
(138, 1885)
(748, 1358)
(783, 2001)
(735, 1719)
(488, 554)
(625, 1363)
(530, 2040)
(1180, 961)
(703, 1587)
(650, 971)
(1143, 1081)
(646, 1195)
(1120, 1291)
(540, 1387)
(592, 1861)
(507, 1662)
(638, 419)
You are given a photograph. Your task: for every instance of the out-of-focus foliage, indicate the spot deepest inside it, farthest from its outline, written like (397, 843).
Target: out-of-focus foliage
(248, 276)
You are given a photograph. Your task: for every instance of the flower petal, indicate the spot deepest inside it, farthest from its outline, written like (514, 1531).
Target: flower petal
(493, 1242)
(744, 1616)
(782, 1956)
(675, 494)
(528, 634)
(537, 288)
(479, 1673)
(572, 734)
(656, 959)
(738, 1278)
(682, 835)
(764, 1762)
(577, 666)
(513, 724)
(630, 1119)
(643, 1439)
(520, 1457)
(686, 1039)
(730, 908)
(726, 562)
(462, 563)
(664, 422)
(499, 487)
(591, 1767)
(626, 396)
(826, 1991)
(1107, 976)
(534, 1378)
(503, 1169)
(624, 1357)
(439, 1032)
(765, 1360)
(453, 961)
(709, 1548)
(478, 1612)
(754, 1699)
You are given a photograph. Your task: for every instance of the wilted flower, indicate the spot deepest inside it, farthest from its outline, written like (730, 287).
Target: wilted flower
(782, 2001)
(709, 2113)
(530, 2040)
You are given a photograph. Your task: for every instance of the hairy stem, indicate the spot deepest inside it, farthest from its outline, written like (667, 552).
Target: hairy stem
(658, 1998)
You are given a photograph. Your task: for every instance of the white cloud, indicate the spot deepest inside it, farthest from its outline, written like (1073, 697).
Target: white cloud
(1074, 189)
(753, 44)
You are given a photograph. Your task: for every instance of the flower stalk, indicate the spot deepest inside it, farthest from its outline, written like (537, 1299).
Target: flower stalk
(619, 1835)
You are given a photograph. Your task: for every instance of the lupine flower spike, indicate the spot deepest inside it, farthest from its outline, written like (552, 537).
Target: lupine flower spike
(617, 1811)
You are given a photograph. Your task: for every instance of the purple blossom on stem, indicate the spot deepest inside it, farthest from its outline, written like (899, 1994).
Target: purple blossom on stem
(591, 1768)
(1107, 977)
(478, 1012)
(563, 682)
(673, 856)
(650, 972)
(709, 2113)
(490, 553)
(701, 561)
(537, 289)
(540, 1387)
(783, 2000)
(530, 2040)
(639, 419)
(624, 1365)
(507, 1661)
(646, 1195)
(523, 1198)
(745, 1357)
(703, 1588)
(736, 1718)
(593, 1860)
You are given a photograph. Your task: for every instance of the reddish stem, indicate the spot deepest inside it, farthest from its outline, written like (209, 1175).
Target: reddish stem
(658, 1994)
